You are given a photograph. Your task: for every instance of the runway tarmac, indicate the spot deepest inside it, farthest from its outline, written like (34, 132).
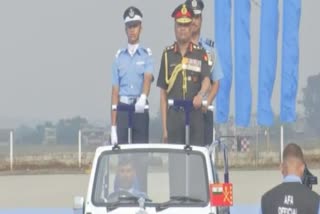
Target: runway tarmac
(56, 192)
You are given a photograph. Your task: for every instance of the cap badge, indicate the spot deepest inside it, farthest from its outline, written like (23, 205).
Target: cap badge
(184, 10)
(131, 13)
(194, 3)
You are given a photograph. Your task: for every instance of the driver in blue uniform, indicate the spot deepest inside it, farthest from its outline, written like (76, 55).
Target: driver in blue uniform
(126, 179)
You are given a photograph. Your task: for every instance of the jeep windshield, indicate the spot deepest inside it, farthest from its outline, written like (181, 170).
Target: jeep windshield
(162, 177)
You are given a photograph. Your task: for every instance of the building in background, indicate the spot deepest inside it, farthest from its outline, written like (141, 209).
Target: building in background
(50, 135)
(94, 135)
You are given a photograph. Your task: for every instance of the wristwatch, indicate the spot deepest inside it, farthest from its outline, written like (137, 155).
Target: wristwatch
(202, 94)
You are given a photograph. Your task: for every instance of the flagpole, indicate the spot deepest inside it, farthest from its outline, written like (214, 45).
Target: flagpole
(257, 141)
(281, 143)
(11, 150)
(79, 148)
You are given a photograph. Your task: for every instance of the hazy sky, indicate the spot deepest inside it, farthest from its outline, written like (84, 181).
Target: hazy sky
(56, 56)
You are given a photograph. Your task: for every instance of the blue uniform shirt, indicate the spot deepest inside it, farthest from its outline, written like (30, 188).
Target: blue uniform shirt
(216, 73)
(293, 178)
(128, 71)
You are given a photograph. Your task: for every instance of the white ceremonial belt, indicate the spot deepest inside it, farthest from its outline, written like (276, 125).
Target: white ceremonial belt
(127, 100)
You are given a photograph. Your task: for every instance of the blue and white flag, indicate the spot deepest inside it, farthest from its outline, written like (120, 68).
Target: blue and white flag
(243, 95)
(290, 59)
(267, 59)
(223, 45)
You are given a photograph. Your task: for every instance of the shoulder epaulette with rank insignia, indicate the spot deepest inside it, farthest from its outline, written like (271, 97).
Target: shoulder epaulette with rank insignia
(118, 52)
(169, 47)
(196, 46)
(149, 51)
(209, 42)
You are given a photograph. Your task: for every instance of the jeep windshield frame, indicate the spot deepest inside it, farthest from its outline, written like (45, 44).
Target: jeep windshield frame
(195, 158)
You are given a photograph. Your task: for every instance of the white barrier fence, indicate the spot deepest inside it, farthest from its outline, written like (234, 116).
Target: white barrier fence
(79, 153)
(22, 156)
(79, 146)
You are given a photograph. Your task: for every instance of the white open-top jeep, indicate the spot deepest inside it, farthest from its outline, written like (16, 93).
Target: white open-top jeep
(155, 178)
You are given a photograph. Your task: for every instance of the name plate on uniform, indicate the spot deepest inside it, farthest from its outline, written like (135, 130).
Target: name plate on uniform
(140, 63)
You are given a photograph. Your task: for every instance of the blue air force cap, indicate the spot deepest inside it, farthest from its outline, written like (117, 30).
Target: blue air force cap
(196, 5)
(132, 16)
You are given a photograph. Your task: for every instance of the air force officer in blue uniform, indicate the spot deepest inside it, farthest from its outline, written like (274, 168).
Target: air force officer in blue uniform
(216, 72)
(132, 74)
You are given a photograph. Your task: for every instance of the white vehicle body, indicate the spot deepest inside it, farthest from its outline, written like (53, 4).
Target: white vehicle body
(89, 205)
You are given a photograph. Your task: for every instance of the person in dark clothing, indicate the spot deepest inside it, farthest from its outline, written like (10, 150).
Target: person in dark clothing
(291, 196)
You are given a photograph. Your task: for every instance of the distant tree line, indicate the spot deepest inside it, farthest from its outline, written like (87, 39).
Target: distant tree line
(66, 131)
(311, 102)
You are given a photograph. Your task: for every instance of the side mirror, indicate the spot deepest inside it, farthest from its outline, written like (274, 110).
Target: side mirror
(78, 205)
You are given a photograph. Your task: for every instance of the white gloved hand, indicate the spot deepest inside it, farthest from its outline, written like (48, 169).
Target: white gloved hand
(141, 103)
(114, 136)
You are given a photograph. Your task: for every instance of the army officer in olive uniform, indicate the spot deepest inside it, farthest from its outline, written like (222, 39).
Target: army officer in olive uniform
(184, 75)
